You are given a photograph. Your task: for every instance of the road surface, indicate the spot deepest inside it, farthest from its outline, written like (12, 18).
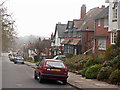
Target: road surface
(21, 76)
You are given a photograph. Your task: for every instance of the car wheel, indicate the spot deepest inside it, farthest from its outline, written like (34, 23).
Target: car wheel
(35, 76)
(15, 62)
(22, 62)
(40, 79)
(64, 82)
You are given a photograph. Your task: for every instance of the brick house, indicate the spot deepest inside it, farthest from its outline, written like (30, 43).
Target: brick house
(79, 33)
(102, 36)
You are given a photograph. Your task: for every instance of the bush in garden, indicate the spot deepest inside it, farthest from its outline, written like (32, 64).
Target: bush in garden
(116, 60)
(107, 63)
(69, 55)
(104, 73)
(111, 52)
(91, 62)
(115, 76)
(83, 71)
(92, 72)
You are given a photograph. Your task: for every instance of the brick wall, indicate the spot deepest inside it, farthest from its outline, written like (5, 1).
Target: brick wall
(101, 31)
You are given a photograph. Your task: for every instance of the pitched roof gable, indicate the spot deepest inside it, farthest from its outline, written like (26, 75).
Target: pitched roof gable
(61, 29)
(88, 20)
(103, 14)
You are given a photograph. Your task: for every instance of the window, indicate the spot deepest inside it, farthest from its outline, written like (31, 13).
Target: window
(99, 22)
(105, 22)
(55, 64)
(74, 34)
(102, 44)
(79, 34)
(65, 34)
(113, 37)
(115, 11)
(70, 34)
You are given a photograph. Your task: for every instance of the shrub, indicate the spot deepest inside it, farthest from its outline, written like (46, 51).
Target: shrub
(107, 63)
(115, 76)
(69, 55)
(83, 71)
(9, 54)
(92, 72)
(104, 73)
(111, 52)
(116, 60)
(91, 61)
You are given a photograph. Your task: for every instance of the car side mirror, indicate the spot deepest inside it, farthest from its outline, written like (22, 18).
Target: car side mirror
(37, 64)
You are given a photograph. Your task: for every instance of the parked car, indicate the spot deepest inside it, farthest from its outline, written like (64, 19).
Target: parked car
(58, 57)
(51, 69)
(11, 58)
(19, 59)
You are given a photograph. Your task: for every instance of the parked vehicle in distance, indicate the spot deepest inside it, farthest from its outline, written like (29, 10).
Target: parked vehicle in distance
(51, 69)
(58, 57)
(11, 58)
(19, 59)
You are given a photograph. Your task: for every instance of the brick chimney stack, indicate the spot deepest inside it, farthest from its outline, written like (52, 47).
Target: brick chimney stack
(83, 11)
(103, 6)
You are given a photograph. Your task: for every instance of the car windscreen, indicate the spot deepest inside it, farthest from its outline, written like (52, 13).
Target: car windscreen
(55, 64)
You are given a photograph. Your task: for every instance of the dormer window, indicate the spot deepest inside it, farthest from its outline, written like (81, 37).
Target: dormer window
(115, 10)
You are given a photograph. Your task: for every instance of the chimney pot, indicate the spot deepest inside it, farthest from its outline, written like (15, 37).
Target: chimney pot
(103, 6)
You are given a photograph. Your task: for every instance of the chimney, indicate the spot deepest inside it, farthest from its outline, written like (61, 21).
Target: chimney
(103, 6)
(51, 36)
(59, 22)
(83, 11)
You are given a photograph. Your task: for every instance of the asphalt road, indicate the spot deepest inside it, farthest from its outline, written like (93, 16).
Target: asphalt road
(21, 76)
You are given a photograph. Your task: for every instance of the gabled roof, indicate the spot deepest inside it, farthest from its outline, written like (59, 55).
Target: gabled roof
(60, 28)
(88, 20)
(103, 14)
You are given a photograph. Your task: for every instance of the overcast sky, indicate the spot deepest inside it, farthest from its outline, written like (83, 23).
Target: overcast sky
(39, 17)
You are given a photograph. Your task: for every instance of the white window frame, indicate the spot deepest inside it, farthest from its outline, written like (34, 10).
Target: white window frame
(98, 22)
(105, 22)
(113, 37)
(101, 44)
(115, 12)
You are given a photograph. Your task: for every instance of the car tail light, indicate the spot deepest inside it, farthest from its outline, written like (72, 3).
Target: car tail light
(44, 68)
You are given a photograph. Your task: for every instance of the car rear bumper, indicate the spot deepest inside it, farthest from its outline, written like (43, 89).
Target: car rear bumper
(54, 76)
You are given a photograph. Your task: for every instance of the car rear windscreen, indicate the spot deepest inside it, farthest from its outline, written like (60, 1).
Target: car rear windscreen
(55, 64)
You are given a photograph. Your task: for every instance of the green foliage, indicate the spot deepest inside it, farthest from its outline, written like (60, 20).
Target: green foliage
(115, 76)
(117, 44)
(111, 52)
(107, 63)
(76, 62)
(83, 71)
(91, 62)
(69, 55)
(9, 54)
(29, 59)
(116, 60)
(79, 72)
(92, 72)
(104, 73)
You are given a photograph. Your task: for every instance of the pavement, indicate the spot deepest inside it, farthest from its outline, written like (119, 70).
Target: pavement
(78, 81)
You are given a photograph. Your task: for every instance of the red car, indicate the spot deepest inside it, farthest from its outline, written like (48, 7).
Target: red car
(51, 69)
